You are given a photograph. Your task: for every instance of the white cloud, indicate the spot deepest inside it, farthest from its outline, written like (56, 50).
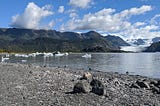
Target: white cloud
(62, 28)
(106, 20)
(80, 3)
(32, 17)
(61, 9)
(135, 11)
(156, 19)
(73, 15)
(139, 24)
(49, 26)
(150, 27)
(147, 31)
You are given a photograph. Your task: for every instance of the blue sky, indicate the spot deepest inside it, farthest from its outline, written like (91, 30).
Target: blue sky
(125, 18)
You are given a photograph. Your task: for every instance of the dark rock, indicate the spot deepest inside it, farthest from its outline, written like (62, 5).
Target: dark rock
(154, 82)
(97, 87)
(30, 72)
(134, 85)
(99, 90)
(142, 84)
(151, 85)
(127, 72)
(89, 69)
(82, 87)
(72, 80)
(155, 89)
(96, 82)
(116, 73)
(158, 83)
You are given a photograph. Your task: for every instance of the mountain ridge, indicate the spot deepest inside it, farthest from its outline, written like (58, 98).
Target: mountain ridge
(30, 40)
(154, 47)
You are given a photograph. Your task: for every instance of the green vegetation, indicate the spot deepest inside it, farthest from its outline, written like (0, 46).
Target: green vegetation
(28, 40)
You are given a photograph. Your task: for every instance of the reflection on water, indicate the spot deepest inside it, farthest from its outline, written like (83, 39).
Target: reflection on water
(146, 64)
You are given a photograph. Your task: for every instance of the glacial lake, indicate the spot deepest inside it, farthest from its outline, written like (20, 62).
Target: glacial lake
(146, 64)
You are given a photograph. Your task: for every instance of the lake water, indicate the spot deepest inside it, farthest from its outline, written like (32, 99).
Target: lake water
(146, 64)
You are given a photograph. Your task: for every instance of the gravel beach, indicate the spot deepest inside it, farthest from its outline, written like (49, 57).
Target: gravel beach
(29, 85)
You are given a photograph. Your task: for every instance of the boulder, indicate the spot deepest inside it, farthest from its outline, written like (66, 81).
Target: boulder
(99, 90)
(155, 89)
(142, 84)
(97, 87)
(82, 87)
(154, 82)
(96, 82)
(134, 85)
(158, 84)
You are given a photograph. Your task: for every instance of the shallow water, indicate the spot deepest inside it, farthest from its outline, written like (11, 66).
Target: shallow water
(146, 64)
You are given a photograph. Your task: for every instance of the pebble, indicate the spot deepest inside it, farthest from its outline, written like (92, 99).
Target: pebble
(57, 87)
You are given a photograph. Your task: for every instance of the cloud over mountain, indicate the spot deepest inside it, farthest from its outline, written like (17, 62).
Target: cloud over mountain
(32, 16)
(110, 21)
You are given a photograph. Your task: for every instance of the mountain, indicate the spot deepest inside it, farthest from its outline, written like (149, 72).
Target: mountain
(139, 41)
(155, 47)
(29, 40)
(156, 39)
(116, 40)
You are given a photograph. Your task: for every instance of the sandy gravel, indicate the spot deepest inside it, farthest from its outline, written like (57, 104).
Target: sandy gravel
(28, 85)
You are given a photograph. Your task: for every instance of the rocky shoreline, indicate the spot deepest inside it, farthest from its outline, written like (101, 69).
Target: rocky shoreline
(28, 85)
